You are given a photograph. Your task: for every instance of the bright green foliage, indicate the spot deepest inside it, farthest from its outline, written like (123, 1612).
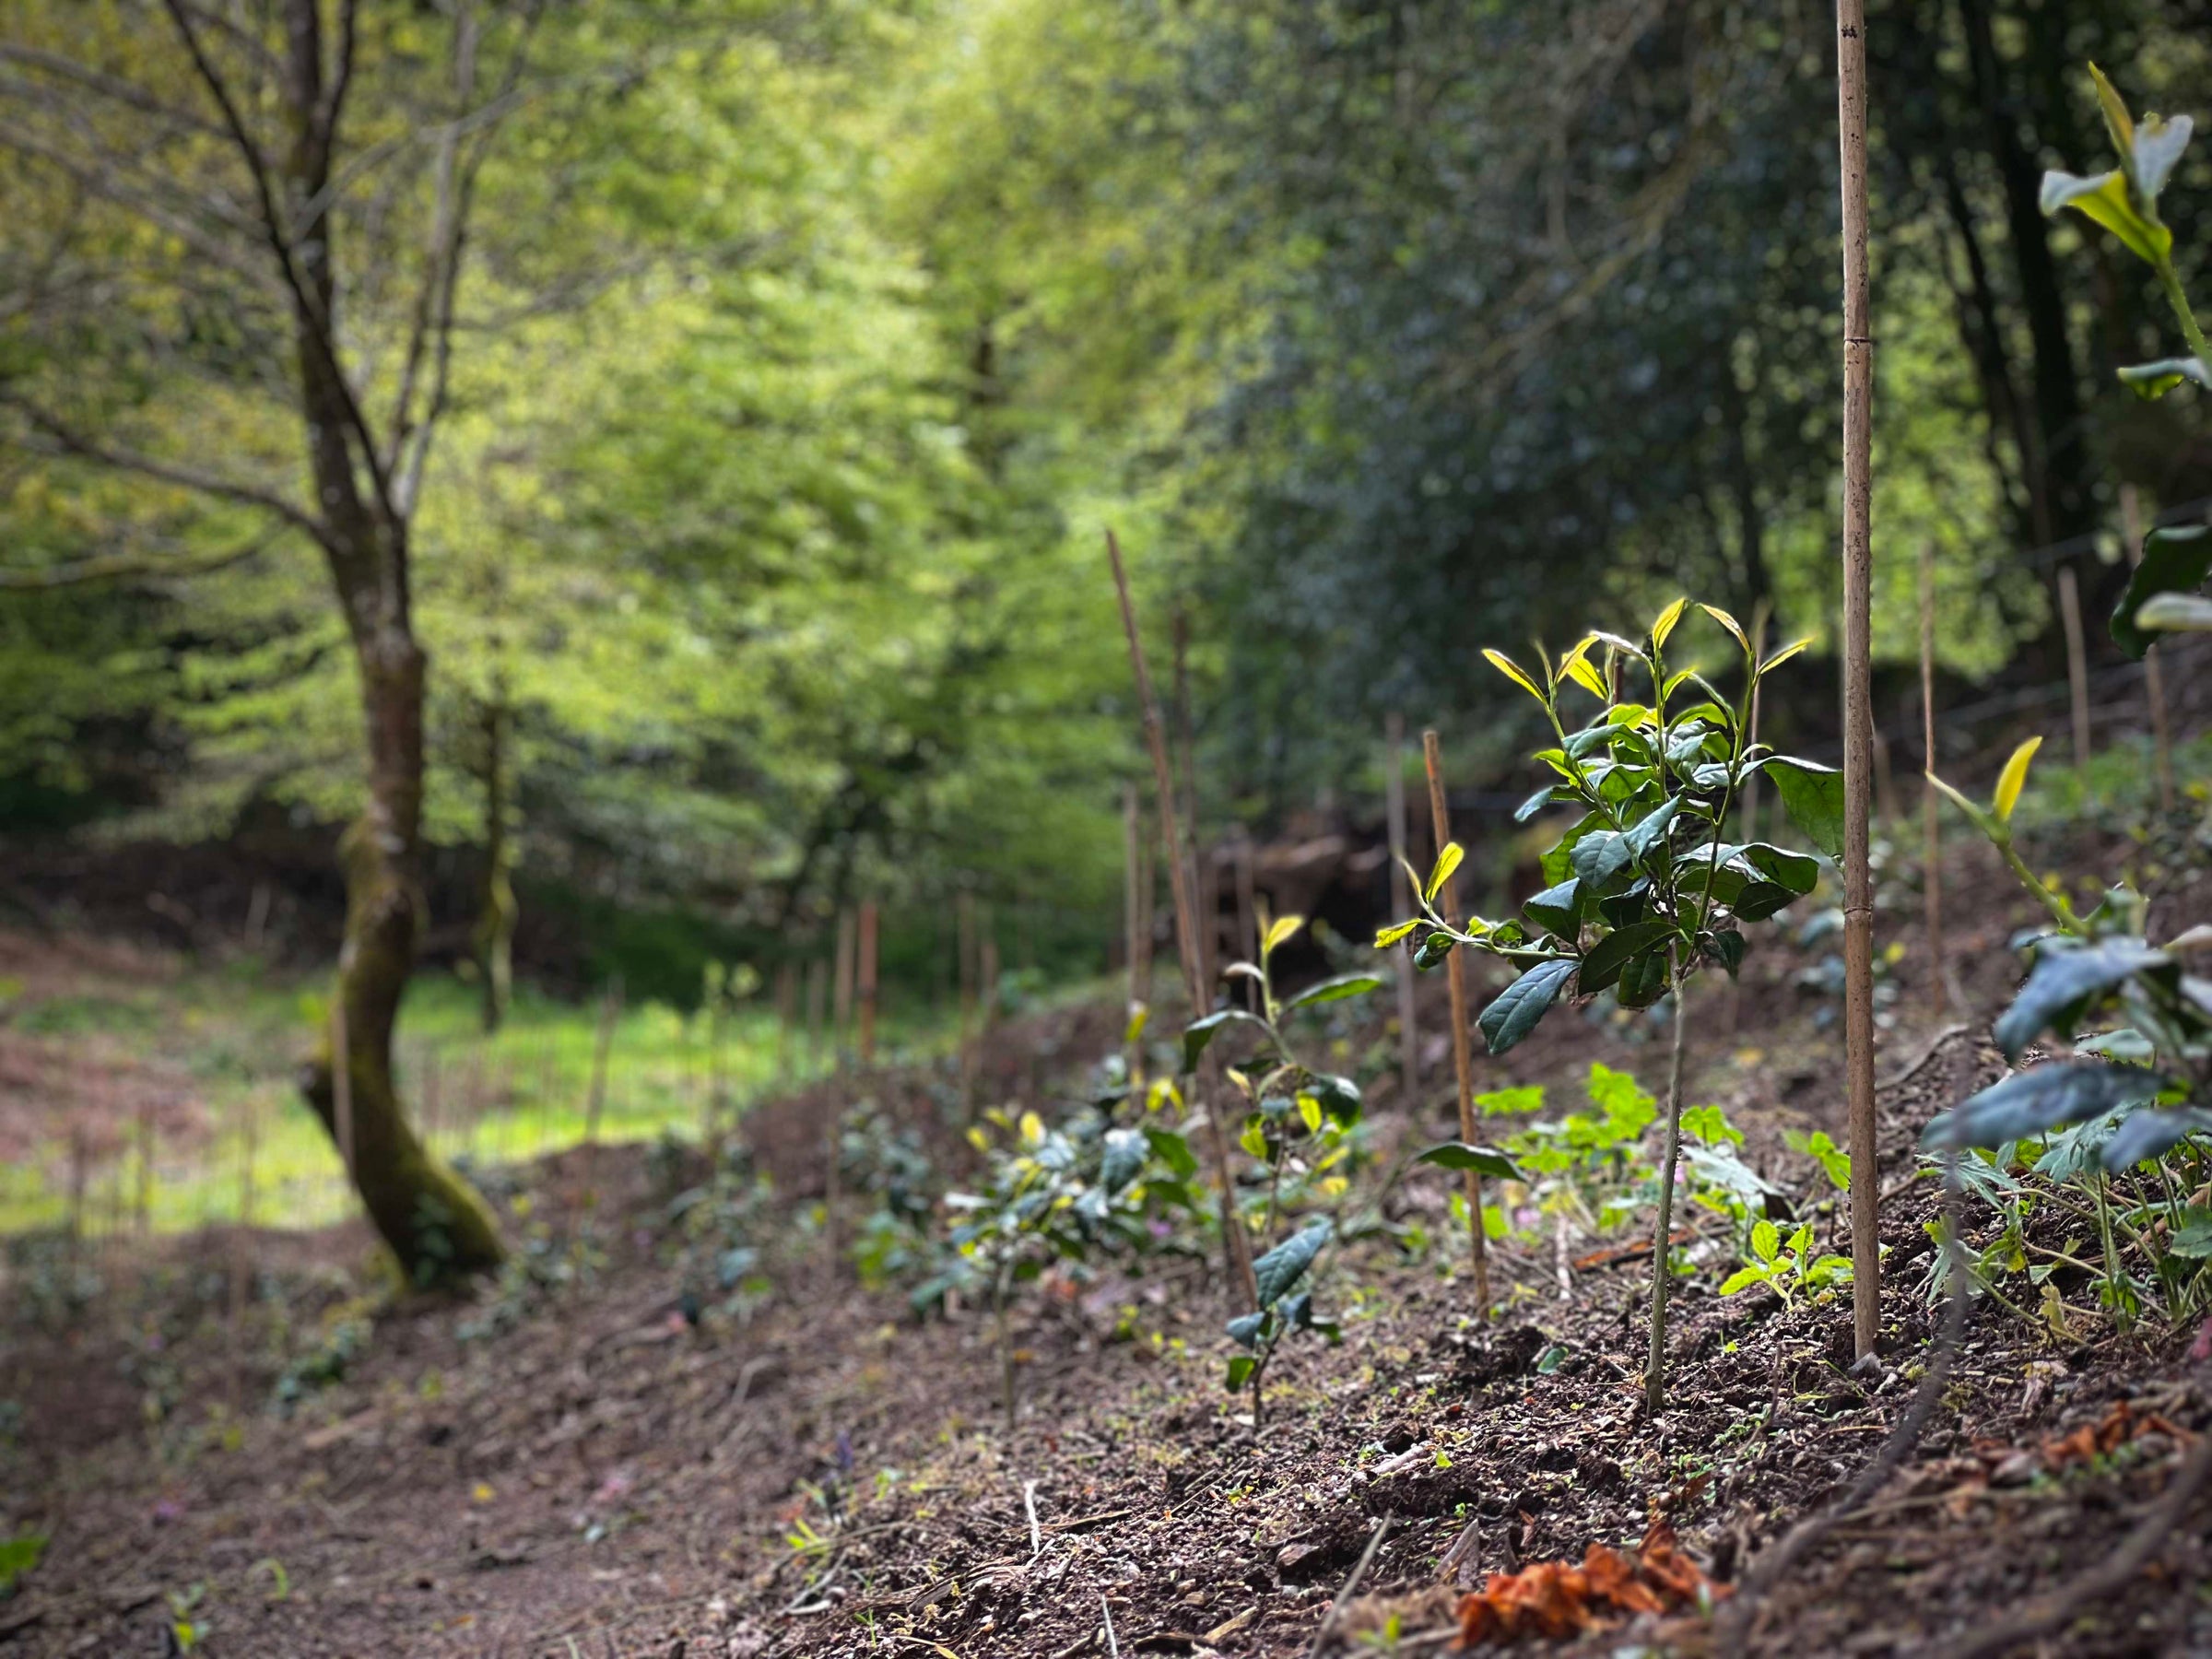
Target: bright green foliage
(20, 1552)
(1789, 1268)
(1280, 1313)
(1645, 883)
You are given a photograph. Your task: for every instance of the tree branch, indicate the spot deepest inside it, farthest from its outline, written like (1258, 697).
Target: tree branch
(125, 566)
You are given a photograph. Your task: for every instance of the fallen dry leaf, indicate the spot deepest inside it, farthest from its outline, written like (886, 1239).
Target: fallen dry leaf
(1552, 1599)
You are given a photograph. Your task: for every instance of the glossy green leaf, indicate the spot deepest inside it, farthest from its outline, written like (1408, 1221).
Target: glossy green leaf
(1335, 990)
(1123, 1161)
(2153, 1134)
(1387, 936)
(1598, 857)
(1199, 1032)
(1174, 1151)
(1799, 872)
(1603, 962)
(2032, 1102)
(1447, 863)
(2066, 980)
(2176, 558)
(1283, 1266)
(1513, 1012)
(1533, 804)
(1483, 1160)
(2105, 200)
(1813, 797)
(1557, 908)
(1648, 832)
(2176, 613)
(2155, 379)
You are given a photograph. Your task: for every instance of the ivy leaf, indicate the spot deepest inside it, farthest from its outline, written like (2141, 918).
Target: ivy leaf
(2176, 559)
(2031, 1103)
(1335, 990)
(1284, 1265)
(1483, 1160)
(2069, 979)
(1513, 1012)
(1813, 796)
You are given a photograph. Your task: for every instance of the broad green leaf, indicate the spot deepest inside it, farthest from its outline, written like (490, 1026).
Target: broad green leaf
(1648, 832)
(1644, 981)
(2031, 1103)
(1605, 960)
(1124, 1161)
(1579, 669)
(1483, 1160)
(1513, 1012)
(1759, 900)
(2155, 379)
(2176, 559)
(1799, 872)
(1598, 857)
(1726, 948)
(2105, 200)
(1446, 862)
(2012, 779)
(1665, 624)
(1736, 1283)
(1174, 1151)
(1766, 1240)
(2064, 978)
(1333, 989)
(1283, 929)
(1533, 804)
(1283, 1266)
(2176, 613)
(1557, 908)
(1240, 1367)
(1813, 796)
(1387, 936)
(1511, 670)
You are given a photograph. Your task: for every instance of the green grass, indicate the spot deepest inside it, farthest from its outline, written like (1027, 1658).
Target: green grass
(518, 1095)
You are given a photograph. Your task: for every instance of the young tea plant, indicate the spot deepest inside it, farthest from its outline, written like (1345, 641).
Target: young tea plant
(2143, 1078)
(2164, 593)
(1645, 886)
(1280, 1313)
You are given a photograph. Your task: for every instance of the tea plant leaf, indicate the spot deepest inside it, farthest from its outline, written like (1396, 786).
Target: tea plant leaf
(1533, 804)
(1785, 654)
(1283, 1266)
(2147, 1135)
(1446, 862)
(1647, 831)
(1244, 1330)
(1201, 1031)
(1643, 981)
(2105, 200)
(2155, 379)
(1605, 961)
(1387, 936)
(2012, 779)
(1124, 1161)
(1799, 872)
(1599, 856)
(1511, 670)
(2158, 145)
(2069, 979)
(1483, 1160)
(2118, 122)
(1281, 933)
(1557, 908)
(1665, 624)
(1334, 990)
(2176, 559)
(1513, 1012)
(1813, 797)
(2032, 1102)
(1726, 948)
(1174, 1151)
(1579, 669)
(1760, 899)
(2184, 612)
(1736, 629)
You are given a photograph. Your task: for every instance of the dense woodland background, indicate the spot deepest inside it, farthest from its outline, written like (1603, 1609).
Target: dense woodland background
(799, 354)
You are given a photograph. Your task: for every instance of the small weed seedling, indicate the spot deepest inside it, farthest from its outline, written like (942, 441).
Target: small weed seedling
(1789, 1268)
(1644, 886)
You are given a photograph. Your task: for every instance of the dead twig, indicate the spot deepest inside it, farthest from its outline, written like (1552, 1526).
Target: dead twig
(1367, 1555)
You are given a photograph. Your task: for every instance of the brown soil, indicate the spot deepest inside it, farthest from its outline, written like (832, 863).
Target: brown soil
(574, 1469)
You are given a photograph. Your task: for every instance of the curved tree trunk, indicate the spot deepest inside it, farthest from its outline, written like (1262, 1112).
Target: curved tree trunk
(434, 1221)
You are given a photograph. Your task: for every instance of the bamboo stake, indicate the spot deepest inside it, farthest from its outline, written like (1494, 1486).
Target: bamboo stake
(1147, 897)
(1401, 905)
(1931, 814)
(964, 945)
(1858, 724)
(842, 1007)
(818, 1002)
(2154, 681)
(610, 1005)
(1203, 892)
(1759, 618)
(1136, 944)
(1463, 1061)
(1248, 911)
(1180, 874)
(2078, 680)
(869, 944)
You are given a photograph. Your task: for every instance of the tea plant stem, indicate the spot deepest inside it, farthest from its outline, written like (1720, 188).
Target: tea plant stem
(2171, 282)
(1440, 815)
(1180, 874)
(1655, 1376)
(1401, 902)
(2154, 681)
(1930, 816)
(1858, 708)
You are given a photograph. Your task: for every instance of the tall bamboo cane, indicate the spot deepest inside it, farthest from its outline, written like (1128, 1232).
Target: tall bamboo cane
(1463, 1060)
